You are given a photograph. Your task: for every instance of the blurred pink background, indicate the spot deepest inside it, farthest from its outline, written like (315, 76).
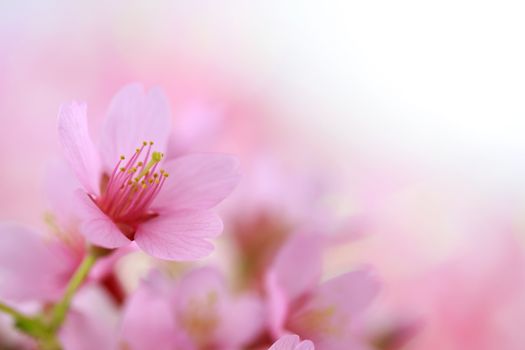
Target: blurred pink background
(410, 113)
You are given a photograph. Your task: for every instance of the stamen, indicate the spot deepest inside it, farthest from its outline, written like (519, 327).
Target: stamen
(133, 187)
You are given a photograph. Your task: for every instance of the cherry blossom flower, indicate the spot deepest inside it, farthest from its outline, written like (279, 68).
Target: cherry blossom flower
(199, 312)
(36, 264)
(328, 313)
(35, 267)
(130, 192)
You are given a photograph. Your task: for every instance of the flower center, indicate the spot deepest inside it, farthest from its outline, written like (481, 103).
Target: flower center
(200, 318)
(132, 187)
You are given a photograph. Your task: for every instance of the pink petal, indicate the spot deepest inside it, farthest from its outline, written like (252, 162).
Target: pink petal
(148, 320)
(198, 284)
(179, 235)
(286, 342)
(242, 321)
(351, 292)
(198, 181)
(96, 226)
(77, 146)
(135, 116)
(305, 345)
(29, 267)
(60, 185)
(297, 266)
(292, 342)
(278, 305)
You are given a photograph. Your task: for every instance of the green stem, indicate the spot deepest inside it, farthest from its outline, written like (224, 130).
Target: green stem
(33, 326)
(37, 327)
(60, 309)
(17, 315)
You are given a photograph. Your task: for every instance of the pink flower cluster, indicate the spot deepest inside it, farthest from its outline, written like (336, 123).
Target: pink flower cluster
(132, 192)
(131, 256)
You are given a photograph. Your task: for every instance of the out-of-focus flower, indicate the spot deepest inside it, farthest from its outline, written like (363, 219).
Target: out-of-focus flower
(198, 312)
(274, 201)
(474, 301)
(292, 342)
(465, 292)
(36, 265)
(33, 266)
(134, 200)
(329, 313)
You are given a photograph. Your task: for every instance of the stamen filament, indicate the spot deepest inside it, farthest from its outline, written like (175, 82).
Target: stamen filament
(133, 187)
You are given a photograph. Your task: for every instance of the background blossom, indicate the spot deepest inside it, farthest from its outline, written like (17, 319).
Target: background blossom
(398, 123)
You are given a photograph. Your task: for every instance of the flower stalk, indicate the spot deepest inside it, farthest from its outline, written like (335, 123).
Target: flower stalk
(59, 312)
(17, 315)
(44, 329)
(34, 326)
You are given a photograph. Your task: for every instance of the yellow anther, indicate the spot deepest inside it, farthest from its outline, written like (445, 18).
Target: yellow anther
(151, 143)
(155, 175)
(144, 143)
(166, 174)
(137, 150)
(122, 169)
(122, 157)
(140, 164)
